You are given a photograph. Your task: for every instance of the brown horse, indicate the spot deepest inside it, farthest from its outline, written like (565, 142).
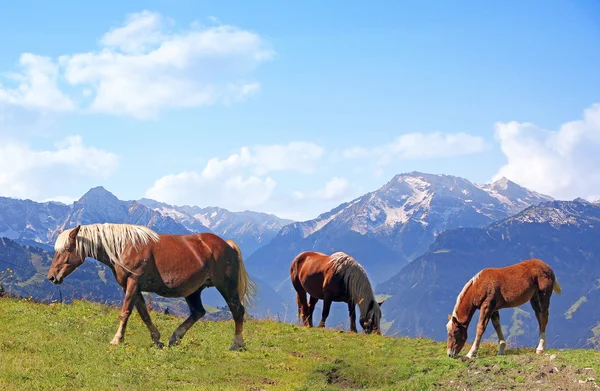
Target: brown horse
(169, 265)
(496, 288)
(334, 278)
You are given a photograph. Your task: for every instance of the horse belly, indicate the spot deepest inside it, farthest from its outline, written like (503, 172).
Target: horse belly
(517, 300)
(174, 282)
(313, 285)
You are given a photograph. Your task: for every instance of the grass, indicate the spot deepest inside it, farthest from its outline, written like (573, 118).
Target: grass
(65, 347)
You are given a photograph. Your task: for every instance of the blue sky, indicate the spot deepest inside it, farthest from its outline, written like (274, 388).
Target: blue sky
(300, 107)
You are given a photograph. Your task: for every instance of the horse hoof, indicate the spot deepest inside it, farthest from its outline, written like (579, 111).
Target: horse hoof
(174, 342)
(159, 344)
(115, 341)
(236, 347)
(539, 351)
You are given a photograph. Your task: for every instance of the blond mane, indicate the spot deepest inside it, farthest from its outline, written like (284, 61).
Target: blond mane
(355, 278)
(111, 238)
(462, 294)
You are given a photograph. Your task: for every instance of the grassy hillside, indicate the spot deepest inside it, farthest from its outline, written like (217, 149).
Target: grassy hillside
(65, 347)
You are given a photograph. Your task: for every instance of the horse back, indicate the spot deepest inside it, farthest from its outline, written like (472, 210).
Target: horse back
(313, 273)
(515, 284)
(179, 261)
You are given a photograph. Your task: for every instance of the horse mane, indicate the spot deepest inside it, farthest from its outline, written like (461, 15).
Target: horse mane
(463, 292)
(355, 278)
(112, 238)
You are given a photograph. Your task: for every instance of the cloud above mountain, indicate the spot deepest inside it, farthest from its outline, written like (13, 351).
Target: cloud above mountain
(421, 146)
(562, 163)
(241, 180)
(25, 172)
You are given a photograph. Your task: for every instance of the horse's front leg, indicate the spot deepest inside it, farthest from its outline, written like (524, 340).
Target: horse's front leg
(352, 311)
(131, 293)
(311, 309)
(326, 308)
(484, 317)
(140, 304)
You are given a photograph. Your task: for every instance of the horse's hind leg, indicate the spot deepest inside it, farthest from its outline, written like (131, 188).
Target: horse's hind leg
(303, 309)
(230, 293)
(140, 304)
(197, 311)
(237, 311)
(540, 302)
(498, 327)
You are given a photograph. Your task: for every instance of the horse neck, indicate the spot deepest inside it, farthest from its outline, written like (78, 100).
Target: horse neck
(466, 308)
(96, 253)
(363, 306)
(363, 299)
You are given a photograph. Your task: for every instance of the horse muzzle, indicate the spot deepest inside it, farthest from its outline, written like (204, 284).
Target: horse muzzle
(451, 353)
(57, 280)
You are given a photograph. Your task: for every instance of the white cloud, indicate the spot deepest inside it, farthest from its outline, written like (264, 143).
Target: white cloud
(28, 173)
(35, 86)
(143, 68)
(335, 189)
(295, 156)
(239, 181)
(421, 146)
(141, 32)
(562, 163)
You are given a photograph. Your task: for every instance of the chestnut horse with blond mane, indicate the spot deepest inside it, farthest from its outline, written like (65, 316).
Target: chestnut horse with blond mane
(495, 288)
(337, 277)
(169, 265)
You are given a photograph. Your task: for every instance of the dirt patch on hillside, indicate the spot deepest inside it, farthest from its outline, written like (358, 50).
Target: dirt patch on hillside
(532, 373)
(333, 374)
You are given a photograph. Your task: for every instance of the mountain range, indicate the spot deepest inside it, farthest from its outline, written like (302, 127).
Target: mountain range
(387, 228)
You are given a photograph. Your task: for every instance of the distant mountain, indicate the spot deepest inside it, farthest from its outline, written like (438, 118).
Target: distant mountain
(251, 230)
(38, 224)
(514, 197)
(29, 221)
(23, 271)
(387, 228)
(562, 233)
(99, 205)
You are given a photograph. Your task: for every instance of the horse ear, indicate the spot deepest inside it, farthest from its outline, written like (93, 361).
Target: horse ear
(449, 317)
(455, 321)
(381, 303)
(73, 235)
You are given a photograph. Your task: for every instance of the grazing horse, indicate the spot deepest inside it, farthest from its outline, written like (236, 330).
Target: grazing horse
(334, 278)
(169, 265)
(496, 288)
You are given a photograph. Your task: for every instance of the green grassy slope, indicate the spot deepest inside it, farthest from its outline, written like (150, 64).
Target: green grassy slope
(65, 347)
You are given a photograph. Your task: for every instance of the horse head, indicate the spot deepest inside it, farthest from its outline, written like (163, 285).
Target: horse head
(371, 320)
(457, 336)
(66, 258)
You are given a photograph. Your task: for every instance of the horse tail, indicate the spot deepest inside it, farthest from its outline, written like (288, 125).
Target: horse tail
(556, 288)
(246, 286)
